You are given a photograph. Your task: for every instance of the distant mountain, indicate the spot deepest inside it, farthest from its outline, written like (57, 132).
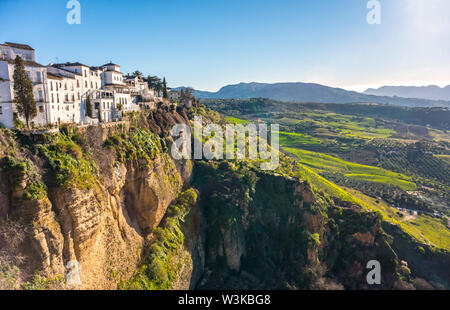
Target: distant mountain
(431, 92)
(309, 92)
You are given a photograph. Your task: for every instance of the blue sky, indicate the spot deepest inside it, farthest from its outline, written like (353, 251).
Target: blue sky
(207, 44)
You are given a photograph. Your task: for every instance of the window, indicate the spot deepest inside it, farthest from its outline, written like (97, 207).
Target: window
(78, 96)
(57, 99)
(53, 98)
(85, 73)
(85, 84)
(41, 109)
(57, 86)
(41, 97)
(92, 85)
(1, 110)
(78, 83)
(38, 77)
(51, 85)
(65, 86)
(66, 97)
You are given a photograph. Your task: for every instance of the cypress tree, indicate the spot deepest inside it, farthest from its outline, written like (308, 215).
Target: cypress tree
(88, 106)
(23, 92)
(165, 94)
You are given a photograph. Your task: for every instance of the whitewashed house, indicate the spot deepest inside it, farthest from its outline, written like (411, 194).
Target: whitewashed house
(64, 96)
(37, 74)
(61, 90)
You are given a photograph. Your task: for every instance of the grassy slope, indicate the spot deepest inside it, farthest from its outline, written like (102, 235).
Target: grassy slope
(322, 162)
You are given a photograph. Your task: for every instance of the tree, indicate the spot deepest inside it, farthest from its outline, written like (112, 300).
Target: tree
(137, 73)
(155, 83)
(164, 85)
(88, 106)
(23, 92)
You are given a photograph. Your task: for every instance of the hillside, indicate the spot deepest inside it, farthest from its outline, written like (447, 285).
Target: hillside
(309, 92)
(431, 92)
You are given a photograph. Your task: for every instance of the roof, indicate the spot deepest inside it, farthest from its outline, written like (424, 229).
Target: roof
(27, 63)
(110, 64)
(58, 76)
(62, 69)
(71, 64)
(132, 77)
(54, 76)
(17, 45)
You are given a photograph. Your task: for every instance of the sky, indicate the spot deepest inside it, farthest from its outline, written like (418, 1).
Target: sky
(207, 44)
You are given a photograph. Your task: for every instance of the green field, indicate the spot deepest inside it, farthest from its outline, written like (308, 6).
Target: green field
(290, 139)
(445, 158)
(325, 163)
(236, 121)
(338, 125)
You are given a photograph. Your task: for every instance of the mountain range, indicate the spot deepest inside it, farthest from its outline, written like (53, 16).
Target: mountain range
(310, 92)
(431, 92)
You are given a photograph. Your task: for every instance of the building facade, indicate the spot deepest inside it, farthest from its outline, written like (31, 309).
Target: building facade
(61, 91)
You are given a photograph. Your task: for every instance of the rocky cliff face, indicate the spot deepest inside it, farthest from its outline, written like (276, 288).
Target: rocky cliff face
(267, 231)
(98, 226)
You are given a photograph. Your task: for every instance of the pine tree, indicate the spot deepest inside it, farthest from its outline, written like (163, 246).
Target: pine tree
(23, 92)
(164, 84)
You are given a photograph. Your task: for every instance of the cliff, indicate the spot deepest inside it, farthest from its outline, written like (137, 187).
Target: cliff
(89, 196)
(106, 207)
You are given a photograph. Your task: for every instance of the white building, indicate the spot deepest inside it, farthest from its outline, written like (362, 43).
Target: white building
(37, 74)
(111, 76)
(64, 89)
(61, 90)
(174, 95)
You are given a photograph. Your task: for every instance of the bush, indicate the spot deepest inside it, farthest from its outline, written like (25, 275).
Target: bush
(161, 267)
(68, 165)
(136, 145)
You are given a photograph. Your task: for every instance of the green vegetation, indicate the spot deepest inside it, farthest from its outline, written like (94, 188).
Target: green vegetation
(89, 106)
(428, 230)
(445, 158)
(23, 92)
(136, 145)
(165, 259)
(323, 163)
(18, 170)
(69, 164)
(290, 139)
(236, 121)
(39, 283)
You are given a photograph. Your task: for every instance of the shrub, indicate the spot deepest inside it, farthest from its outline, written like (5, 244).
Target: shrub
(68, 165)
(161, 267)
